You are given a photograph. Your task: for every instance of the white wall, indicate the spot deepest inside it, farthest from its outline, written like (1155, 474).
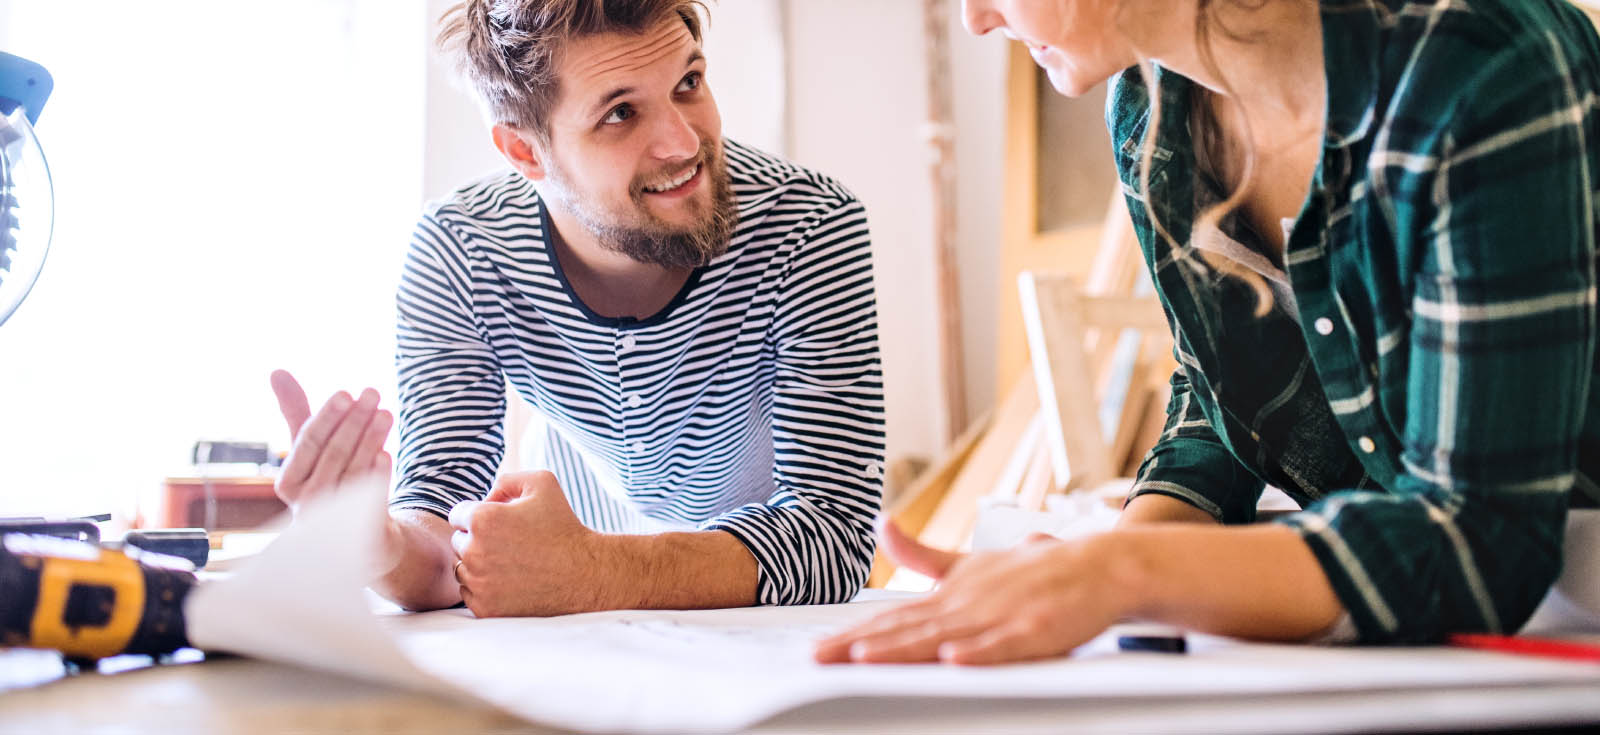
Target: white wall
(457, 146)
(858, 104)
(978, 66)
(226, 204)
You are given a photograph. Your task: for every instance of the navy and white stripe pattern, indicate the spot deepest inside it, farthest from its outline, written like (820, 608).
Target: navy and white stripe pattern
(752, 404)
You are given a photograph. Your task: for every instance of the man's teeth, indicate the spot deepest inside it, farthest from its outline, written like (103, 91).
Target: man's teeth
(674, 183)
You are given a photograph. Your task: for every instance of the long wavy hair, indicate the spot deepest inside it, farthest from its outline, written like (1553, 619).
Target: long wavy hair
(1207, 138)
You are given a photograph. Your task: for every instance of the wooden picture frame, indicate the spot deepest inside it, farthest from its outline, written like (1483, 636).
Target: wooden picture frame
(1059, 171)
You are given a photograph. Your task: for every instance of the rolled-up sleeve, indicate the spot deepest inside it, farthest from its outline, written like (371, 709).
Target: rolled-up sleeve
(1190, 463)
(812, 539)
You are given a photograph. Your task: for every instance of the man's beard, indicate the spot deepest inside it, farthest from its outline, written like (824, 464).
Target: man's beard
(644, 237)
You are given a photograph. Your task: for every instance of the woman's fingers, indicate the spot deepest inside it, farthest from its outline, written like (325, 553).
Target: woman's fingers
(912, 554)
(913, 643)
(836, 648)
(1017, 639)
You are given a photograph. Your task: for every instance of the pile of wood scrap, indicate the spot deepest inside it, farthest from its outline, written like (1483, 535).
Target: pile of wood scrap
(1086, 414)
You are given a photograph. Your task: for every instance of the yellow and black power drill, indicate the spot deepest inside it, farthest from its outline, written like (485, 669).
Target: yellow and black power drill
(90, 602)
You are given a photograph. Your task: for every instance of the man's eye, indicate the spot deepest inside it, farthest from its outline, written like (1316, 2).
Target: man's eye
(690, 82)
(618, 114)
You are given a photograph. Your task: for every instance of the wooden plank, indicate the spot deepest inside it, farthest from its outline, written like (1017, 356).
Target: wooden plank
(1116, 313)
(1068, 252)
(1152, 421)
(1038, 481)
(942, 175)
(1118, 263)
(1117, 253)
(1052, 317)
(950, 526)
(1134, 407)
(1010, 481)
(914, 507)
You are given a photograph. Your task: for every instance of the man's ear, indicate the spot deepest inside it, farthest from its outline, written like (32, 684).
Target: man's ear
(520, 150)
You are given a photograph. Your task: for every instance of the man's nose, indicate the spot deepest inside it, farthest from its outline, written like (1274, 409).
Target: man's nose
(676, 139)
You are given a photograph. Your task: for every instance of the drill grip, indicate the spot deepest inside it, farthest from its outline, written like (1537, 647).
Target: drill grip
(89, 602)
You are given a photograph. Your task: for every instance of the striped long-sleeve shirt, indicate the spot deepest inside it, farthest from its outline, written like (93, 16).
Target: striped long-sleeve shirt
(1429, 394)
(751, 404)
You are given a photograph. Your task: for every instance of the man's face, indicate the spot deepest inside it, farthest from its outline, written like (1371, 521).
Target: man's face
(635, 152)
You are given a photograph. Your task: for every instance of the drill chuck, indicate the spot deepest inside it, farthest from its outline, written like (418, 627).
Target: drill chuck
(89, 602)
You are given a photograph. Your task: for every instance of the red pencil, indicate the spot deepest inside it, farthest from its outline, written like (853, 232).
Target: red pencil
(1524, 645)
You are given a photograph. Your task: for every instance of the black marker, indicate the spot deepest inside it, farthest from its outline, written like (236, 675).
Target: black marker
(1150, 638)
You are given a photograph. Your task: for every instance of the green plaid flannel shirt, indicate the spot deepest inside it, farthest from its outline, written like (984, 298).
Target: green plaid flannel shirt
(1429, 397)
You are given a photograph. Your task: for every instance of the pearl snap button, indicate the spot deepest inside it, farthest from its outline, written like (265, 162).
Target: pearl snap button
(1367, 445)
(1324, 326)
(629, 342)
(634, 401)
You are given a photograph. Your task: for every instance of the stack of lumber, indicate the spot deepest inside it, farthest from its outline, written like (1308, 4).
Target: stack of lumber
(1085, 415)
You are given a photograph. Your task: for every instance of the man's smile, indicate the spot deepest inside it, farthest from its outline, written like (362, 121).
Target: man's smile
(679, 185)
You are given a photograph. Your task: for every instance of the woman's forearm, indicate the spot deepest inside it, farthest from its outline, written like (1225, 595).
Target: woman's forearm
(1259, 582)
(1153, 508)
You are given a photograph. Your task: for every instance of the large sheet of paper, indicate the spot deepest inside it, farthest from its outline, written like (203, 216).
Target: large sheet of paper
(722, 670)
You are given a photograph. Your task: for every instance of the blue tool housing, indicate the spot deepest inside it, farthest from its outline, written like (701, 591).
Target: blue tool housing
(24, 83)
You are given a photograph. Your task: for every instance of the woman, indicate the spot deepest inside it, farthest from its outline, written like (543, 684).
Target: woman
(1371, 224)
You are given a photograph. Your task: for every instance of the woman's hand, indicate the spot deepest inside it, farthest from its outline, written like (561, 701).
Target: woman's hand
(1039, 600)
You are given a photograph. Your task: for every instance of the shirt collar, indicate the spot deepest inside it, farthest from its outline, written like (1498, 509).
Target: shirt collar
(1351, 37)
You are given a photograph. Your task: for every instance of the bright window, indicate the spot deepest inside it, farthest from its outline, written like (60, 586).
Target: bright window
(235, 183)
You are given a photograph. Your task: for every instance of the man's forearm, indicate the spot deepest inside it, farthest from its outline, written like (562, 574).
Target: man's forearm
(681, 571)
(422, 577)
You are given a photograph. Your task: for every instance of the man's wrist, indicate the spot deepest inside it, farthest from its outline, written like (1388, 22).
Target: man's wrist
(391, 544)
(675, 570)
(623, 579)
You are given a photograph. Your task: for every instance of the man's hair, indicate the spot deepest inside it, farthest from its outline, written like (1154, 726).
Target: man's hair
(507, 50)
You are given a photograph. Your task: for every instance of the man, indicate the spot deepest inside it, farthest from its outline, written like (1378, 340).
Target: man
(693, 320)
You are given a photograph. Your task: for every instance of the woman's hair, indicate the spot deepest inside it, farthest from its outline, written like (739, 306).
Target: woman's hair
(507, 49)
(1207, 140)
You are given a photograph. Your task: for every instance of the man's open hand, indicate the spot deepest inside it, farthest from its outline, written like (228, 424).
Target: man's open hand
(523, 552)
(342, 442)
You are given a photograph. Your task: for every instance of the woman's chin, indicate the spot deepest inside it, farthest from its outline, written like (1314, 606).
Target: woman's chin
(1071, 82)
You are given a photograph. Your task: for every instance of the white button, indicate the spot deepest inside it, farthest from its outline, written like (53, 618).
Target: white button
(1367, 445)
(638, 447)
(634, 401)
(873, 470)
(629, 341)
(1324, 326)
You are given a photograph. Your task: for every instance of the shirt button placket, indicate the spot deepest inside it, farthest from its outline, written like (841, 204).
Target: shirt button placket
(626, 343)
